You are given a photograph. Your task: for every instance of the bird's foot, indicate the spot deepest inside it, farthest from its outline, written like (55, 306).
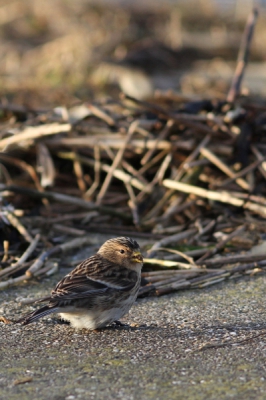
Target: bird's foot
(60, 321)
(118, 323)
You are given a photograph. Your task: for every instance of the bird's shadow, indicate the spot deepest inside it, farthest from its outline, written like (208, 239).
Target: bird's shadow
(117, 325)
(175, 332)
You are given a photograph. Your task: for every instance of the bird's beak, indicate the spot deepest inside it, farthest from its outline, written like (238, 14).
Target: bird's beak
(137, 257)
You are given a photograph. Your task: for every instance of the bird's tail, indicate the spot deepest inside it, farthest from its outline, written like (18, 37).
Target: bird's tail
(35, 315)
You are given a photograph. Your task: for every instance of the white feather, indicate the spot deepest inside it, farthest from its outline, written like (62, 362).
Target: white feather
(94, 319)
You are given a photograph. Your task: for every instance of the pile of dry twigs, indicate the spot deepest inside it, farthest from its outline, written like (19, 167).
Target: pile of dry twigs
(184, 176)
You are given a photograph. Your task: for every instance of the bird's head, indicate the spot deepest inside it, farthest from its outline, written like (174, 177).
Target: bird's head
(123, 251)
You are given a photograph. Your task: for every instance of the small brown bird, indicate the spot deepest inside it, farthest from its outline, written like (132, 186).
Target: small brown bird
(98, 291)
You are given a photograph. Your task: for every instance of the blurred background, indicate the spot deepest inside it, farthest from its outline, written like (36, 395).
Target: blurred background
(61, 51)
(64, 64)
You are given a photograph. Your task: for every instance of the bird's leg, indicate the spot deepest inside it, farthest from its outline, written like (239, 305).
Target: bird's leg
(60, 321)
(118, 323)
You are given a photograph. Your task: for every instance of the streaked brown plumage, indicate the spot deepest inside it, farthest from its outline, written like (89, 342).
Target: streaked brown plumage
(98, 291)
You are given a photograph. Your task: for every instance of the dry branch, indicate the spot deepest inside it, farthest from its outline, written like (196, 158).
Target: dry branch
(62, 198)
(223, 167)
(32, 133)
(223, 197)
(243, 56)
(20, 263)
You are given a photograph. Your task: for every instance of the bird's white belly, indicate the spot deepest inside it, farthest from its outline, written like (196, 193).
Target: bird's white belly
(93, 319)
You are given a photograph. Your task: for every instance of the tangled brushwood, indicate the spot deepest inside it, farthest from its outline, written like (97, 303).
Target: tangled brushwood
(183, 176)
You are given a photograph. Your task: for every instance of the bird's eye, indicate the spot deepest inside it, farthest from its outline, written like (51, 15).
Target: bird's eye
(122, 251)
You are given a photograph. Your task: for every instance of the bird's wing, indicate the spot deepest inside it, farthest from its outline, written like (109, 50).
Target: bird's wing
(94, 276)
